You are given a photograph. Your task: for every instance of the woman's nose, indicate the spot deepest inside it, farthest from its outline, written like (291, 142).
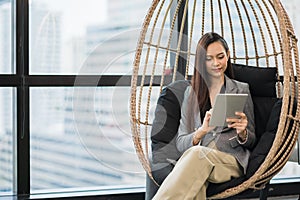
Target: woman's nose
(215, 62)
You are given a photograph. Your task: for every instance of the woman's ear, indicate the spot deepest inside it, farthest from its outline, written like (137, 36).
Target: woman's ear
(228, 55)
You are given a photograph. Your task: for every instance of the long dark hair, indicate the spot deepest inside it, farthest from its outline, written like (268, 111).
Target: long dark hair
(200, 78)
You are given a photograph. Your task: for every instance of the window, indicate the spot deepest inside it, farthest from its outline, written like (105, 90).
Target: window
(6, 37)
(78, 138)
(64, 95)
(60, 121)
(84, 36)
(7, 100)
(7, 140)
(82, 139)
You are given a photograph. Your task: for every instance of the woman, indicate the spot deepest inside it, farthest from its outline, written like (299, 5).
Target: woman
(210, 154)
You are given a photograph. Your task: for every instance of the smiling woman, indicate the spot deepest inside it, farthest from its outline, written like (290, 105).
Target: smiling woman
(213, 146)
(216, 59)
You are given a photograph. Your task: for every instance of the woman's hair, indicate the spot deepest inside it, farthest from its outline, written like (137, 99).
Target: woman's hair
(199, 80)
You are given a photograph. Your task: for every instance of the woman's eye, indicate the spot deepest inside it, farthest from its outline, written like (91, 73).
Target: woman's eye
(221, 57)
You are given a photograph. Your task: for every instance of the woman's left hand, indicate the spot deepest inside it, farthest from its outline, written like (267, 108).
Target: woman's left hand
(239, 123)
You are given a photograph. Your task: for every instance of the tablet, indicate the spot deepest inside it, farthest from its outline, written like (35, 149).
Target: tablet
(225, 106)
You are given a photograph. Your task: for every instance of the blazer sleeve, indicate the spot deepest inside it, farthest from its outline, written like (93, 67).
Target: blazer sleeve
(249, 111)
(185, 134)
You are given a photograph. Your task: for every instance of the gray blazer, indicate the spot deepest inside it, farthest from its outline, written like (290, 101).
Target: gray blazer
(226, 139)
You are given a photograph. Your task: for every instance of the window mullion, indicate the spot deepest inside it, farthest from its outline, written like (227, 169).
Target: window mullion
(22, 62)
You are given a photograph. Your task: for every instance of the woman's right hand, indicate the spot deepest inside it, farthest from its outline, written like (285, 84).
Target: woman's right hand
(204, 129)
(205, 124)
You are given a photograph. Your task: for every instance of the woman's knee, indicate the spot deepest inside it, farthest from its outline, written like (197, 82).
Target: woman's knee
(199, 151)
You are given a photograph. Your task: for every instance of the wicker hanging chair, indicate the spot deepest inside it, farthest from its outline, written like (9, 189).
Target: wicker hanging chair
(259, 33)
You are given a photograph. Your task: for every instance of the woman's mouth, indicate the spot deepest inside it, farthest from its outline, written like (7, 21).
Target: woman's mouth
(217, 69)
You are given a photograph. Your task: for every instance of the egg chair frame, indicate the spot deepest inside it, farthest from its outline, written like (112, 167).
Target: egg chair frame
(268, 39)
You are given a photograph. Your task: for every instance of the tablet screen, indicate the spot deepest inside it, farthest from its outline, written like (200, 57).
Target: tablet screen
(225, 106)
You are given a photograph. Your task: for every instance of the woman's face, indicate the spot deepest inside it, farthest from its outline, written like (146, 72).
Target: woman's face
(216, 60)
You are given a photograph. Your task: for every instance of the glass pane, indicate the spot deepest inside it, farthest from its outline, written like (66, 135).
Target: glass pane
(7, 133)
(290, 171)
(65, 35)
(80, 137)
(6, 27)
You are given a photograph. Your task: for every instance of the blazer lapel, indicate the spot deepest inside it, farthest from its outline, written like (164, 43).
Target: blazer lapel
(231, 87)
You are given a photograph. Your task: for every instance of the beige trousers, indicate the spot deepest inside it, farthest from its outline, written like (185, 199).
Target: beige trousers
(197, 167)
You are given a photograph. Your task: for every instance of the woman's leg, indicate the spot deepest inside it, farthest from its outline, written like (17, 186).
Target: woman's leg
(195, 167)
(202, 192)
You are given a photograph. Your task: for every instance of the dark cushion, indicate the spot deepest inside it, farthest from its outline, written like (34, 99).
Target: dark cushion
(164, 132)
(262, 110)
(261, 80)
(215, 188)
(265, 142)
(166, 122)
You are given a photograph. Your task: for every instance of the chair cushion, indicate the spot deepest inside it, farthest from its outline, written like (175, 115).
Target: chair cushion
(262, 110)
(262, 85)
(261, 82)
(166, 122)
(265, 142)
